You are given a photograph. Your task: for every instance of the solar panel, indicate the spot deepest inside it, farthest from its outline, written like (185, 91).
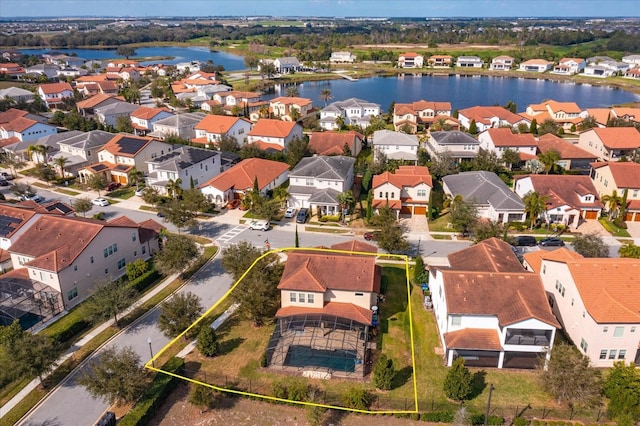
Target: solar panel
(99, 167)
(130, 145)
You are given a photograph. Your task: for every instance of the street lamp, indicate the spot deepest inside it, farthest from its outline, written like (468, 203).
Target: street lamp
(151, 352)
(486, 416)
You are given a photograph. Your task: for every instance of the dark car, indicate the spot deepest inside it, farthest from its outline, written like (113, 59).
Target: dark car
(4, 182)
(525, 241)
(113, 186)
(551, 242)
(371, 236)
(233, 203)
(303, 215)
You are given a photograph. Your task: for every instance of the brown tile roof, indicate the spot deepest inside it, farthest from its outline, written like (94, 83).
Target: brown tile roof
(19, 124)
(272, 128)
(534, 258)
(482, 114)
(565, 190)
(266, 146)
(330, 271)
(53, 88)
(473, 338)
(242, 175)
(601, 115)
(410, 55)
(536, 62)
(492, 255)
(355, 246)
(404, 177)
(124, 144)
(566, 149)
(11, 114)
(392, 204)
(421, 105)
(291, 100)
(342, 310)
(631, 113)
(511, 297)
(94, 100)
(91, 78)
(503, 136)
(332, 143)
(618, 137)
(146, 113)
(218, 124)
(625, 174)
(149, 229)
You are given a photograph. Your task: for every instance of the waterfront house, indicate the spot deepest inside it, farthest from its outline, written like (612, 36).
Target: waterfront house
(410, 60)
(352, 111)
(633, 60)
(611, 143)
(460, 146)
(501, 63)
(283, 65)
(395, 146)
(440, 61)
(498, 140)
(568, 66)
(406, 191)
(620, 177)
(342, 57)
(487, 117)
(566, 114)
(633, 73)
(469, 62)
(283, 107)
(631, 115)
(423, 113)
(212, 128)
(336, 143)
(535, 65)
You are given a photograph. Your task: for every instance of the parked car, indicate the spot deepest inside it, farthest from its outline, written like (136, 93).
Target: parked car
(32, 197)
(525, 241)
(102, 202)
(291, 212)
(303, 215)
(140, 192)
(259, 225)
(551, 242)
(4, 182)
(6, 176)
(113, 186)
(371, 236)
(233, 203)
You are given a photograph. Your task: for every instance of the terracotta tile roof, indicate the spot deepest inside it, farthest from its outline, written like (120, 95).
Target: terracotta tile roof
(601, 115)
(504, 137)
(19, 124)
(392, 204)
(94, 100)
(632, 113)
(566, 149)
(577, 60)
(149, 229)
(266, 146)
(53, 88)
(91, 78)
(473, 339)
(355, 246)
(342, 310)
(320, 271)
(491, 255)
(564, 190)
(332, 143)
(536, 62)
(127, 145)
(562, 254)
(404, 177)
(511, 297)
(421, 105)
(269, 127)
(618, 137)
(291, 100)
(242, 175)
(9, 141)
(146, 113)
(11, 114)
(625, 174)
(440, 57)
(218, 124)
(13, 218)
(410, 55)
(482, 114)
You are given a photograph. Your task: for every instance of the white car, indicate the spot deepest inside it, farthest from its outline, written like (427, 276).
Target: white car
(291, 212)
(102, 202)
(32, 197)
(259, 225)
(140, 192)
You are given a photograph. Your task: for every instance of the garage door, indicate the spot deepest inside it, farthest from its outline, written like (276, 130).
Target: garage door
(405, 210)
(420, 210)
(591, 214)
(628, 217)
(637, 218)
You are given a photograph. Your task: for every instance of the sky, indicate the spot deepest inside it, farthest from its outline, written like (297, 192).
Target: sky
(329, 8)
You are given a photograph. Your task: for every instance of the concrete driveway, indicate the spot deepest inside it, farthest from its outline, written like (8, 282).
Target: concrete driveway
(634, 230)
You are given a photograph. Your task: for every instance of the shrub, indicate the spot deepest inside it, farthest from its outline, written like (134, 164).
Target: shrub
(357, 398)
(297, 390)
(279, 390)
(144, 281)
(136, 268)
(520, 421)
(478, 419)
(68, 327)
(383, 373)
(203, 397)
(263, 359)
(437, 417)
(99, 216)
(207, 342)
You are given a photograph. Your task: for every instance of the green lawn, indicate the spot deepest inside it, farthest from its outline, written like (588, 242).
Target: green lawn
(614, 229)
(441, 224)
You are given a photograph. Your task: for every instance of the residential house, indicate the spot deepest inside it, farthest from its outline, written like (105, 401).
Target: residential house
(143, 118)
(597, 300)
(423, 113)
(633, 60)
(600, 115)
(80, 149)
(108, 114)
(633, 73)
(406, 190)
(501, 63)
(12, 70)
(566, 114)
(611, 143)
(489, 310)
(90, 85)
(336, 143)
(460, 146)
(191, 165)
(469, 62)
(17, 95)
(182, 126)
(395, 146)
(43, 70)
(122, 154)
(619, 177)
(213, 128)
(234, 101)
(271, 134)
(570, 66)
(342, 57)
(23, 129)
(631, 115)
(236, 181)
(123, 73)
(498, 140)
(440, 61)
(53, 93)
(410, 60)
(491, 196)
(604, 66)
(535, 65)
(571, 199)
(87, 106)
(14, 113)
(572, 157)
(283, 108)
(317, 182)
(352, 111)
(334, 315)
(283, 65)
(487, 117)
(69, 255)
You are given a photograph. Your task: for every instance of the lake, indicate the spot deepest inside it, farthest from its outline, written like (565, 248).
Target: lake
(181, 54)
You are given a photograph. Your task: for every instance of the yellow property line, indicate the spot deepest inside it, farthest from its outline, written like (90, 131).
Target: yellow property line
(150, 363)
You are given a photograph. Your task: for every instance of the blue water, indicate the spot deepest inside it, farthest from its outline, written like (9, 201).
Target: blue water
(181, 54)
(462, 92)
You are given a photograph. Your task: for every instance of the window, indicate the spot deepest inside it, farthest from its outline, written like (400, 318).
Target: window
(106, 271)
(359, 294)
(380, 194)
(605, 330)
(310, 298)
(584, 345)
(292, 297)
(618, 331)
(91, 259)
(72, 294)
(422, 192)
(612, 354)
(309, 182)
(133, 236)
(572, 301)
(144, 249)
(456, 320)
(121, 263)
(622, 353)
(393, 195)
(603, 354)
(75, 267)
(633, 329)
(301, 297)
(544, 269)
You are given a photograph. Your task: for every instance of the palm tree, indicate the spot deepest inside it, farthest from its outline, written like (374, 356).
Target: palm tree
(264, 111)
(174, 188)
(346, 200)
(534, 205)
(135, 177)
(61, 162)
(292, 92)
(325, 95)
(39, 151)
(281, 194)
(450, 202)
(549, 159)
(613, 203)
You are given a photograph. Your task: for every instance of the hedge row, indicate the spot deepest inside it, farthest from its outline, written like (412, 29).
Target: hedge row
(154, 396)
(141, 283)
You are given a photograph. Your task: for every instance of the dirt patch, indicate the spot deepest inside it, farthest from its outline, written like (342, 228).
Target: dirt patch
(240, 411)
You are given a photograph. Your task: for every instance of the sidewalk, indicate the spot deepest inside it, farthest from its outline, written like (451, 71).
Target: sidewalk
(80, 343)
